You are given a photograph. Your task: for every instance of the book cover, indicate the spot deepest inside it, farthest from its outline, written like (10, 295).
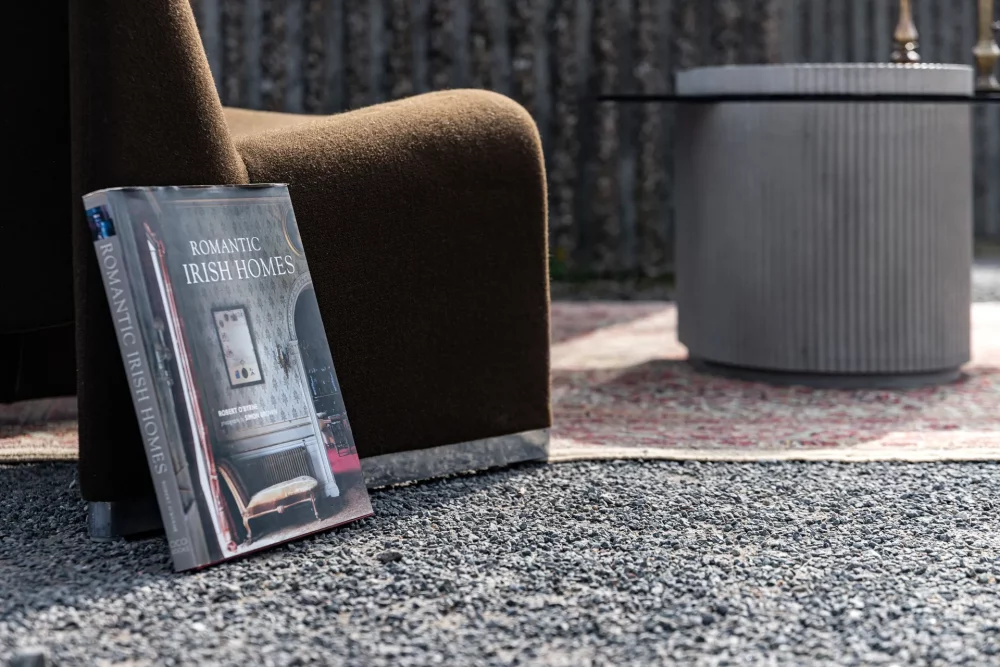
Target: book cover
(232, 379)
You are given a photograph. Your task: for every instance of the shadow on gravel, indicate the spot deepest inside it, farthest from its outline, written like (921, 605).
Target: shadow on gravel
(46, 556)
(47, 559)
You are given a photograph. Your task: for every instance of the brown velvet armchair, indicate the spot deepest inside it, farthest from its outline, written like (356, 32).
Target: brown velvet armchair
(424, 220)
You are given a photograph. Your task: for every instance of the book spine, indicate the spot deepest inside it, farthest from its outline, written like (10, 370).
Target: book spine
(121, 301)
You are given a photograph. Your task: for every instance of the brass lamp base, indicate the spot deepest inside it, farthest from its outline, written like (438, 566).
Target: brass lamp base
(986, 51)
(988, 84)
(905, 37)
(905, 53)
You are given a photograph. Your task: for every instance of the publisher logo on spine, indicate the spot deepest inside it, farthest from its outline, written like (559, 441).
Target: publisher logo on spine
(101, 225)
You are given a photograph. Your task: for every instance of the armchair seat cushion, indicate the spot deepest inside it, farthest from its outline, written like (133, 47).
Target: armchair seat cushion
(282, 494)
(243, 122)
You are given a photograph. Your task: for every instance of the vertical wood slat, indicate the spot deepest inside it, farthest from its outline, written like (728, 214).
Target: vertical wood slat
(357, 53)
(377, 48)
(791, 31)
(251, 54)
(838, 16)
(399, 49)
(541, 67)
(665, 223)
(480, 48)
(935, 18)
(925, 37)
(500, 46)
(294, 42)
(586, 176)
(604, 199)
(333, 54)
(208, 16)
(817, 30)
(772, 15)
(628, 138)
(420, 13)
(233, 22)
(274, 66)
(859, 30)
(883, 22)
(969, 31)
(461, 21)
(723, 27)
(314, 54)
(562, 150)
(747, 32)
(707, 54)
(440, 52)
(989, 167)
(946, 33)
(751, 32)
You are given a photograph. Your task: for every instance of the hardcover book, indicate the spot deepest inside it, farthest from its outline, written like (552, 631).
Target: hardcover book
(232, 378)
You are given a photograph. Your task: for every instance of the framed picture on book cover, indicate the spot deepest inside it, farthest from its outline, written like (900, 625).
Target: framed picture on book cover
(239, 349)
(291, 231)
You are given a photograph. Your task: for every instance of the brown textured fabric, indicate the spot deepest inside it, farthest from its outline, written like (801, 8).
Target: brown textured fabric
(424, 221)
(424, 224)
(246, 121)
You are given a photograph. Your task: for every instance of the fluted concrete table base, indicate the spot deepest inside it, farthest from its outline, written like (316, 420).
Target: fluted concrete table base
(825, 243)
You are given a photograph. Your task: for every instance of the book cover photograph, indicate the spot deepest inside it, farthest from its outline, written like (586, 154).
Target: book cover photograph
(232, 379)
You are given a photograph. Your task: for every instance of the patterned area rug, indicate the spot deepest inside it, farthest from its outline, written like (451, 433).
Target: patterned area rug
(52, 441)
(621, 389)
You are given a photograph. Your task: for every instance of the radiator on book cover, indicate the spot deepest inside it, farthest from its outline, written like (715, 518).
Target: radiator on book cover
(263, 471)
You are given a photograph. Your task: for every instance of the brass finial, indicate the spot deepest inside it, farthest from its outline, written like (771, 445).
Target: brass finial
(987, 52)
(905, 37)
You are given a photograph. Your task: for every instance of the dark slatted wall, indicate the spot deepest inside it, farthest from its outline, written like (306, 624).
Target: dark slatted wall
(609, 165)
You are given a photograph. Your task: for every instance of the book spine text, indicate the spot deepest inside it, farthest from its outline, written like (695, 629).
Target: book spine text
(142, 386)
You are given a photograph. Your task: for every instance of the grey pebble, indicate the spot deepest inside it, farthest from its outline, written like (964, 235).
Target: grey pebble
(390, 556)
(31, 657)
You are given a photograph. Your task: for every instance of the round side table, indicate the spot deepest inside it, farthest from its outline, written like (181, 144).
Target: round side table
(821, 240)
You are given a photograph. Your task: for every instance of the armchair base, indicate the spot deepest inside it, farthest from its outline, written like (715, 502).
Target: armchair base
(420, 464)
(133, 518)
(123, 518)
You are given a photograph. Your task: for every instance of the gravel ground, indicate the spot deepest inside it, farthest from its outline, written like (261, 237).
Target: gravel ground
(572, 564)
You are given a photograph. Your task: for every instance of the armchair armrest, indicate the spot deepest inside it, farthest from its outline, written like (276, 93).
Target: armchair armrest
(425, 226)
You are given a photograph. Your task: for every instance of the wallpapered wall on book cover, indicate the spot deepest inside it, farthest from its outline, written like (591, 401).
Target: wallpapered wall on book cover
(265, 304)
(247, 294)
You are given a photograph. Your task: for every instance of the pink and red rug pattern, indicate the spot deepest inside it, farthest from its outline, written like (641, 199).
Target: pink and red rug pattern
(621, 389)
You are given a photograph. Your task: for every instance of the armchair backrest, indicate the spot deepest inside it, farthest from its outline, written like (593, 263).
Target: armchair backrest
(143, 111)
